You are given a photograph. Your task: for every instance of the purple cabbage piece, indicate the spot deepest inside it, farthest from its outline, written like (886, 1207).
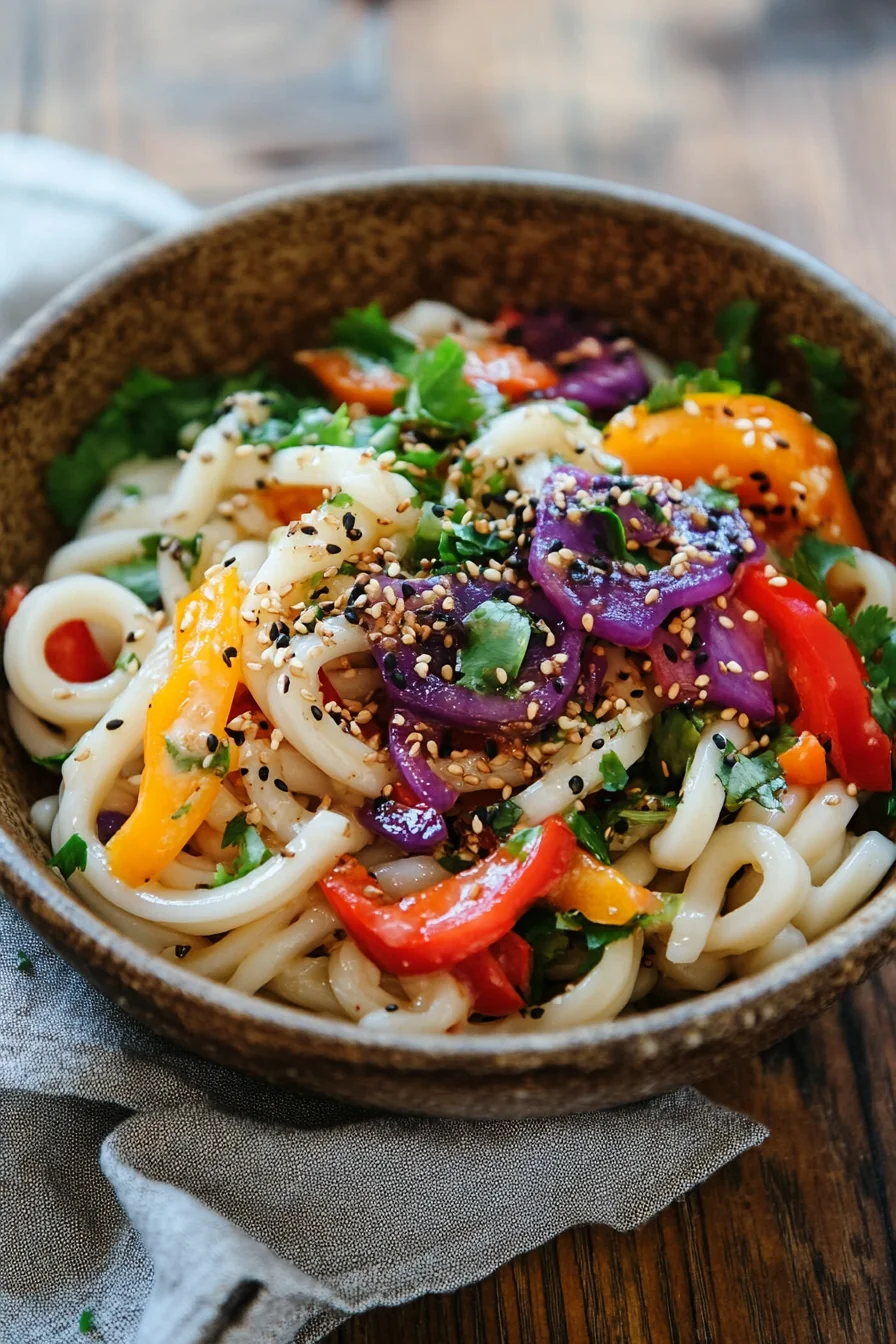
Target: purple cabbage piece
(109, 824)
(445, 702)
(606, 378)
(417, 829)
(614, 592)
(416, 770)
(712, 644)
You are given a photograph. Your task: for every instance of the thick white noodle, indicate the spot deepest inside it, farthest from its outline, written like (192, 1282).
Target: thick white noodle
(627, 736)
(784, 944)
(204, 474)
(543, 429)
(305, 982)
(271, 955)
(35, 736)
(687, 832)
(427, 321)
(704, 973)
(698, 927)
(83, 597)
(861, 872)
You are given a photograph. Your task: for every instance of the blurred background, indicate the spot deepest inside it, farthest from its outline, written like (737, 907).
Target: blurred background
(779, 111)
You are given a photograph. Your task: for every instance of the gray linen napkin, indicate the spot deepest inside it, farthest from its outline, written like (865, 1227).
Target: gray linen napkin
(186, 1204)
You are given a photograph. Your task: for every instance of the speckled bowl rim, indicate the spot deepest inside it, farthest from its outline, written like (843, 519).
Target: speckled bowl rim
(761, 997)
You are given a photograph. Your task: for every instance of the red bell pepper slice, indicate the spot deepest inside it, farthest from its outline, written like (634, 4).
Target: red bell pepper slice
(15, 595)
(498, 977)
(828, 676)
(72, 653)
(434, 929)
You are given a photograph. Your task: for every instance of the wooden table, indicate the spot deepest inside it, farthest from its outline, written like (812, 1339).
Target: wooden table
(779, 111)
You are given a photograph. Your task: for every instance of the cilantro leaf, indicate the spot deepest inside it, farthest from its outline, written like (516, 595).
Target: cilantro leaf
(72, 856)
(252, 850)
(676, 733)
(140, 577)
(712, 497)
(813, 559)
(187, 760)
(874, 634)
(734, 329)
(614, 773)
(438, 393)
(671, 392)
(53, 762)
(497, 638)
(747, 779)
(614, 532)
(460, 542)
(556, 935)
(503, 817)
(368, 331)
(829, 379)
(588, 833)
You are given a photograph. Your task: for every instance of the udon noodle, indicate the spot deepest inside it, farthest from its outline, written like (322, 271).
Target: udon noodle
(507, 689)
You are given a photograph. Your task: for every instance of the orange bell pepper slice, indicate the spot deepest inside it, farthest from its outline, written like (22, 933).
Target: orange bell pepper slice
(805, 762)
(509, 368)
(374, 385)
(779, 464)
(601, 893)
(177, 791)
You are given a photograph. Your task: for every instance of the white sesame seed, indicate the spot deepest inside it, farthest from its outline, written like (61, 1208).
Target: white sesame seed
(588, 622)
(652, 596)
(531, 709)
(778, 582)
(760, 676)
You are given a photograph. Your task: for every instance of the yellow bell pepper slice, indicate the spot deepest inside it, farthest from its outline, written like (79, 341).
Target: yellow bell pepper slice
(601, 893)
(180, 782)
(780, 465)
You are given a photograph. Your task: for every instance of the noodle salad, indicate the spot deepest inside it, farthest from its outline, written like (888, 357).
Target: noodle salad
(485, 677)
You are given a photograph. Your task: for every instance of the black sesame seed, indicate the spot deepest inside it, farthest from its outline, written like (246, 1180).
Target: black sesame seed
(491, 748)
(237, 736)
(439, 510)
(263, 773)
(555, 546)
(700, 659)
(732, 564)
(274, 631)
(353, 617)
(536, 1012)
(407, 591)
(229, 561)
(114, 723)
(719, 740)
(348, 521)
(758, 476)
(398, 678)
(282, 785)
(263, 725)
(621, 826)
(730, 759)
(244, 770)
(597, 744)
(317, 712)
(310, 531)
(391, 1007)
(576, 783)
(333, 548)
(637, 693)
(211, 742)
(501, 593)
(282, 641)
(557, 684)
(390, 662)
(181, 950)
(670, 653)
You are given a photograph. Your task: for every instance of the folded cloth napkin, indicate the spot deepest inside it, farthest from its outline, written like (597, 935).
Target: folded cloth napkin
(181, 1203)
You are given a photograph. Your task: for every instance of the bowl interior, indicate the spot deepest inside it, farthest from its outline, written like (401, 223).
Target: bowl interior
(257, 281)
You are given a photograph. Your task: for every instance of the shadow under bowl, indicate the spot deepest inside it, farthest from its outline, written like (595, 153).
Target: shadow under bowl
(262, 277)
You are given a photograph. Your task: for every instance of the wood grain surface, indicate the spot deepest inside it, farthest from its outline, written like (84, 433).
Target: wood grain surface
(779, 111)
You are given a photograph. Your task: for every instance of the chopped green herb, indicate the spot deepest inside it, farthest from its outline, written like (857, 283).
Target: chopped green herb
(588, 832)
(140, 576)
(813, 559)
(734, 330)
(183, 760)
(675, 734)
(503, 817)
(252, 850)
(614, 773)
(671, 392)
(127, 661)
(181, 811)
(748, 779)
(53, 762)
(784, 740)
(342, 500)
(561, 936)
(71, 857)
(614, 533)
(24, 963)
(461, 542)
(497, 640)
(368, 331)
(438, 393)
(712, 497)
(522, 840)
(87, 1321)
(829, 379)
(874, 634)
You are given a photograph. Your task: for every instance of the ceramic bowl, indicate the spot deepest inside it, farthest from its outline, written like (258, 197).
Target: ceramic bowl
(264, 276)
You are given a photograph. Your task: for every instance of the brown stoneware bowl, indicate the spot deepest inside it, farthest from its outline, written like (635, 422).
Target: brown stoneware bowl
(259, 279)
